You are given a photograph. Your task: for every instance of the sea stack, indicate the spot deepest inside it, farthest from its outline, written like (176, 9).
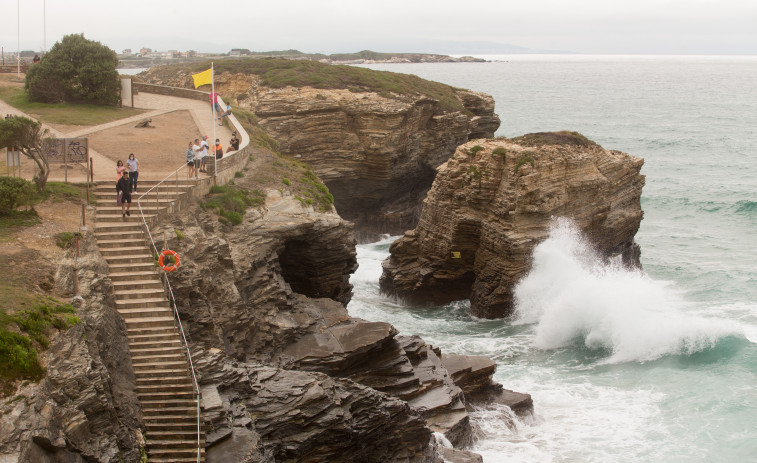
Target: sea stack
(494, 201)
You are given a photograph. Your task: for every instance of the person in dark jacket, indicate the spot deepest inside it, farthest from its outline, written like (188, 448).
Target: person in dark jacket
(124, 194)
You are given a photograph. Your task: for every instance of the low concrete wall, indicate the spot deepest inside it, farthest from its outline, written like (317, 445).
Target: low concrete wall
(170, 91)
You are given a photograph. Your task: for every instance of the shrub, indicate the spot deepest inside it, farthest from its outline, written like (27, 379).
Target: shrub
(63, 239)
(179, 234)
(522, 160)
(14, 191)
(500, 152)
(475, 149)
(286, 181)
(232, 203)
(238, 174)
(553, 138)
(75, 70)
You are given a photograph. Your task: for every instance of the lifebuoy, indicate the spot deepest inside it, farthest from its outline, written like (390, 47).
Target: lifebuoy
(169, 268)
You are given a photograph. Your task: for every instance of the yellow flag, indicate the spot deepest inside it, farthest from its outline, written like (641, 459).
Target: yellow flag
(202, 78)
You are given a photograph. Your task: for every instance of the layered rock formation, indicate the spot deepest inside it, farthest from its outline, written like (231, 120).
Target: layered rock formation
(85, 408)
(284, 359)
(377, 151)
(494, 201)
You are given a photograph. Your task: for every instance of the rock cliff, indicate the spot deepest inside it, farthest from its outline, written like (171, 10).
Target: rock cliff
(285, 359)
(375, 145)
(493, 202)
(85, 409)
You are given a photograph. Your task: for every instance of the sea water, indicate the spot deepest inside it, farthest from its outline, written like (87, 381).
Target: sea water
(652, 365)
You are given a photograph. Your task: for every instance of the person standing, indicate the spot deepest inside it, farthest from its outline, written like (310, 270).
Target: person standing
(123, 191)
(214, 102)
(190, 160)
(120, 168)
(196, 155)
(203, 153)
(133, 164)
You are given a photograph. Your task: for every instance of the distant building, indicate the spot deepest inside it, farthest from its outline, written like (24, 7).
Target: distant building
(145, 51)
(239, 52)
(126, 51)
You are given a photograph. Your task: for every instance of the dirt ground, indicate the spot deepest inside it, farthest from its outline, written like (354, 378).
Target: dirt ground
(159, 154)
(29, 255)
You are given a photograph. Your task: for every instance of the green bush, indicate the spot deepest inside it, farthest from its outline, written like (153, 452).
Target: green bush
(500, 152)
(238, 174)
(18, 351)
(75, 70)
(63, 239)
(475, 149)
(286, 181)
(523, 160)
(14, 191)
(232, 203)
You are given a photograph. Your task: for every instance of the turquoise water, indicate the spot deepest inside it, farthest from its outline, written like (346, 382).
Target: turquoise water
(623, 366)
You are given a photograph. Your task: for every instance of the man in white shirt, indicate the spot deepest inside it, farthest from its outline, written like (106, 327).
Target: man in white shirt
(203, 153)
(196, 151)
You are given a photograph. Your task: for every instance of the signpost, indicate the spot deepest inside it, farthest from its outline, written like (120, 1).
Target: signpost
(68, 151)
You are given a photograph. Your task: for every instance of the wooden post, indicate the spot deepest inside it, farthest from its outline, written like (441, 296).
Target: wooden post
(91, 170)
(84, 215)
(65, 163)
(76, 270)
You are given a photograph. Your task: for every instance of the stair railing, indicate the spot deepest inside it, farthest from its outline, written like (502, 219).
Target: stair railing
(167, 285)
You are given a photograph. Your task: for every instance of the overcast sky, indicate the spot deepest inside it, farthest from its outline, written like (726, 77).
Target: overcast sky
(329, 26)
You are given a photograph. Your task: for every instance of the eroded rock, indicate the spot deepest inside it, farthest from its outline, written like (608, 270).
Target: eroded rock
(494, 201)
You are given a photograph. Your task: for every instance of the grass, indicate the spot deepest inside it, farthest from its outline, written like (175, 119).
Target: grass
(231, 202)
(17, 219)
(23, 334)
(553, 138)
(65, 113)
(64, 239)
(280, 73)
(473, 151)
(502, 152)
(258, 136)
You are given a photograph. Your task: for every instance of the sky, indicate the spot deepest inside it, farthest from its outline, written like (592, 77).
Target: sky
(440, 26)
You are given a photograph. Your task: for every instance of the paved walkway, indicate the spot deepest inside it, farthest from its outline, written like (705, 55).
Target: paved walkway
(156, 105)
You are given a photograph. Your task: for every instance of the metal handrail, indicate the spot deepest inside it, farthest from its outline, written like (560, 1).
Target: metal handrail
(177, 318)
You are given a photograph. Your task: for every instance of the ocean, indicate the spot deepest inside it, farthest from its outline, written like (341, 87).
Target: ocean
(658, 365)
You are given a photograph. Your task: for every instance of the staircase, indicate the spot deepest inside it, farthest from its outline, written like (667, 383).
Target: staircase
(164, 383)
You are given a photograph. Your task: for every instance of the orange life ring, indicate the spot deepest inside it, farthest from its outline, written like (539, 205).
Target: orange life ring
(169, 268)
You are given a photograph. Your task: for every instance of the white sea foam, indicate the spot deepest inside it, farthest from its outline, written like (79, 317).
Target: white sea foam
(573, 295)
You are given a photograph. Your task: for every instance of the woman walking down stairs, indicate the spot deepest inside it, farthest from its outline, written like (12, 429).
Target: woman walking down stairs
(164, 381)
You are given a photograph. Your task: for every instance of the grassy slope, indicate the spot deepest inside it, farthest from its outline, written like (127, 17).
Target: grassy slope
(279, 73)
(64, 113)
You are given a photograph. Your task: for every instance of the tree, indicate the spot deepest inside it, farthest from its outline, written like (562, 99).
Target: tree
(75, 70)
(28, 136)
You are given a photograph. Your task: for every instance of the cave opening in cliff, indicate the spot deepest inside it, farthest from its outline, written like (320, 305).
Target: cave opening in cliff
(301, 267)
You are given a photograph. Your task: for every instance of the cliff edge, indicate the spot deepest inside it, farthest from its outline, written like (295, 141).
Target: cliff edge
(374, 138)
(493, 202)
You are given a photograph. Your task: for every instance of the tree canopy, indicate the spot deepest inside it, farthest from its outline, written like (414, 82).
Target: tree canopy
(27, 136)
(75, 70)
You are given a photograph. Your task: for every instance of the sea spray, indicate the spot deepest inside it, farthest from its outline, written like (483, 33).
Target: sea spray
(574, 295)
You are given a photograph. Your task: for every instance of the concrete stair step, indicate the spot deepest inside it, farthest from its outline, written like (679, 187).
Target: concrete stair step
(175, 435)
(120, 226)
(139, 303)
(146, 322)
(163, 372)
(181, 378)
(189, 425)
(170, 405)
(148, 337)
(130, 258)
(176, 349)
(169, 443)
(146, 312)
(119, 235)
(161, 455)
(105, 244)
(158, 360)
(129, 268)
(167, 388)
(176, 363)
(112, 217)
(117, 277)
(140, 293)
(151, 281)
(177, 395)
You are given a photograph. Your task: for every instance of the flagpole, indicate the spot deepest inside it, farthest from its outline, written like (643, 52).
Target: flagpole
(213, 104)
